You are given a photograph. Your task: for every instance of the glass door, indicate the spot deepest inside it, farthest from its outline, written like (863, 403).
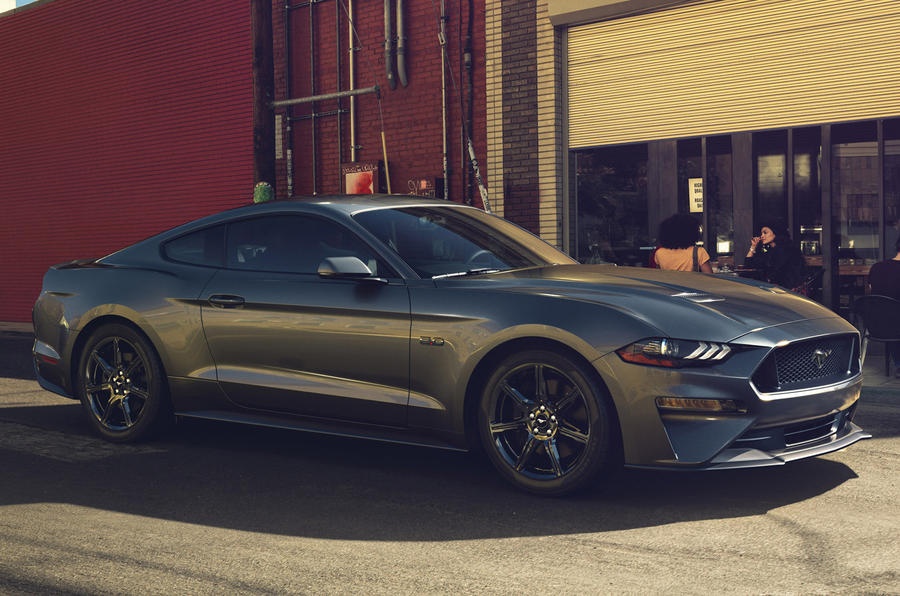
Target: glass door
(808, 203)
(854, 208)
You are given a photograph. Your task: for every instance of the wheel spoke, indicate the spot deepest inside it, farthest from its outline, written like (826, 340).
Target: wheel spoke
(500, 427)
(117, 353)
(540, 385)
(516, 396)
(133, 366)
(98, 359)
(553, 454)
(573, 434)
(96, 388)
(526, 453)
(109, 408)
(567, 400)
(140, 393)
(126, 411)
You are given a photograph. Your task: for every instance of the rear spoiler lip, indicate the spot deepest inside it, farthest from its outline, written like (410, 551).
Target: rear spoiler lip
(81, 264)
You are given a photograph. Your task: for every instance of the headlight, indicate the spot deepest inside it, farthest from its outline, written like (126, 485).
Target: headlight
(663, 351)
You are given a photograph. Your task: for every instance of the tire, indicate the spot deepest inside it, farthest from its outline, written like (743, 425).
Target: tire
(121, 385)
(545, 424)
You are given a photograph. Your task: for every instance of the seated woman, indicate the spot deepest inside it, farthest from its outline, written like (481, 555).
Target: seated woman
(776, 256)
(678, 250)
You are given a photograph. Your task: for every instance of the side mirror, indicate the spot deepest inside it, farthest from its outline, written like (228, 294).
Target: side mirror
(345, 267)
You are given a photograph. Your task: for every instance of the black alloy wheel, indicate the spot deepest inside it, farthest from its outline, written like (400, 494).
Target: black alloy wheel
(545, 423)
(121, 384)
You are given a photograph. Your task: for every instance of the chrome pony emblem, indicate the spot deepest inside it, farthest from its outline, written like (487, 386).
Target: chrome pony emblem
(820, 356)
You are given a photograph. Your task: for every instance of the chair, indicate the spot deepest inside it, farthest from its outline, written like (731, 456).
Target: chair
(811, 284)
(881, 322)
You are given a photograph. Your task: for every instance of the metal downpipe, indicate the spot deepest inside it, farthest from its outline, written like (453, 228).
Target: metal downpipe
(389, 46)
(401, 45)
(443, 42)
(289, 116)
(352, 75)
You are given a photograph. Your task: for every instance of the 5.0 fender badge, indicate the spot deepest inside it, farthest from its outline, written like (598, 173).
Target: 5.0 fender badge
(431, 341)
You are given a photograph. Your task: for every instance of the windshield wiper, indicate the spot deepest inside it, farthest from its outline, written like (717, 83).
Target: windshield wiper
(480, 271)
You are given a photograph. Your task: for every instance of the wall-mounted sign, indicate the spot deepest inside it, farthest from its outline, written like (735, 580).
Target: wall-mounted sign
(695, 194)
(361, 177)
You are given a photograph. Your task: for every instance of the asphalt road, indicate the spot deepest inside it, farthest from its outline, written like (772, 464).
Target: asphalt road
(216, 508)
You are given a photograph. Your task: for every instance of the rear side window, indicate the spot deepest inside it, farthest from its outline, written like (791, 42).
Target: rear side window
(294, 244)
(206, 247)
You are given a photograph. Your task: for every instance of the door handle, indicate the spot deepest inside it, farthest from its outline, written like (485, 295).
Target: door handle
(226, 300)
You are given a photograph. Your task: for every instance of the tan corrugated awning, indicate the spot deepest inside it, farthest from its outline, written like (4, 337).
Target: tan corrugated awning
(721, 66)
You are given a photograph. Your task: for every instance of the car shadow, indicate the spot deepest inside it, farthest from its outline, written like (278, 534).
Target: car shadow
(299, 484)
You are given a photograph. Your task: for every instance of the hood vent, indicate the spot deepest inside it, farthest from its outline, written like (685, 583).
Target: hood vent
(699, 297)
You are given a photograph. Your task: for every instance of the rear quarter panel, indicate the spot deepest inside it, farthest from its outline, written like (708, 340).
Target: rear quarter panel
(161, 303)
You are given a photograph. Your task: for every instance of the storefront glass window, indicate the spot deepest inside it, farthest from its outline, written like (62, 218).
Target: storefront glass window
(720, 196)
(807, 196)
(854, 206)
(891, 186)
(612, 204)
(769, 188)
(690, 169)
(807, 163)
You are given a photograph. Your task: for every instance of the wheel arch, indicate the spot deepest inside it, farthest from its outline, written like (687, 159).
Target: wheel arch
(491, 359)
(85, 333)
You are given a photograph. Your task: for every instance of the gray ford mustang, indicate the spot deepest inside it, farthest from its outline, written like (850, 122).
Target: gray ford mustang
(432, 323)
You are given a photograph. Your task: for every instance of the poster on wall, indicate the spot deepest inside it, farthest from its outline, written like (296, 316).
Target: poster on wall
(695, 194)
(361, 177)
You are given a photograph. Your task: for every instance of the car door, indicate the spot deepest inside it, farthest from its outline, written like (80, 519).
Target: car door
(285, 339)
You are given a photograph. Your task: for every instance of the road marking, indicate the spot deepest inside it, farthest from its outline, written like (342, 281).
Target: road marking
(63, 446)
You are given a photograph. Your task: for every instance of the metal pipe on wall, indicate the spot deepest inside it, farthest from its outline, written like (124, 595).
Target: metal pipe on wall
(352, 75)
(443, 43)
(289, 127)
(337, 51)
(401, 45)
(312, 89)
(467, 60)
(389, 46)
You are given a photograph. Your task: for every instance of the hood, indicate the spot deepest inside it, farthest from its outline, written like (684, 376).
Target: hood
(680, 304)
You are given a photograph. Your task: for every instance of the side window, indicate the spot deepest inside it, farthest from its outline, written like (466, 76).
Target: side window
(293, 244)
(204, 247)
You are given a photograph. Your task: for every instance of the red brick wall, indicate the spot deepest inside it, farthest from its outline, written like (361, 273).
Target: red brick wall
(118, 119)
(412, 115)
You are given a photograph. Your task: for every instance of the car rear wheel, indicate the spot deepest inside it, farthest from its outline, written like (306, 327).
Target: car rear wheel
(545, 423)
(121, 384)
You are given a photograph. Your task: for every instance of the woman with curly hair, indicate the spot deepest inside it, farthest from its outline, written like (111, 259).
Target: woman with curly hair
(678, 250)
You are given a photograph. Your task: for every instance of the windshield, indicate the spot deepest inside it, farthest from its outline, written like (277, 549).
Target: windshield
(441, 241)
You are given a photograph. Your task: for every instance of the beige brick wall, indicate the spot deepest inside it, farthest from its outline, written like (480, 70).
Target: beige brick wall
(549, 130)
(550, 185)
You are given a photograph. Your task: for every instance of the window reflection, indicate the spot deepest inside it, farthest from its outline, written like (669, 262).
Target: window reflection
(854, 175)
(770, 189)
(612, 204)
(720, 196)
(891, 186)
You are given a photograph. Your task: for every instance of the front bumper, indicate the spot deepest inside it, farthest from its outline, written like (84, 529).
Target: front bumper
(771, 429)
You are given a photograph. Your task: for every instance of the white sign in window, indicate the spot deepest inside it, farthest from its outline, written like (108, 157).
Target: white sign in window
(695, 194)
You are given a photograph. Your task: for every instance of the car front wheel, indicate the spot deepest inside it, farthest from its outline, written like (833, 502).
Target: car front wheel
(545, 423)
(121, 384)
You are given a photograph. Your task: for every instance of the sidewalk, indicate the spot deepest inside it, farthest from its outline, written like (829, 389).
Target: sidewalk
(16, 327)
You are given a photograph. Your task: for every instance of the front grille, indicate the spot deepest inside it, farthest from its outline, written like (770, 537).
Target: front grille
(810, 363)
